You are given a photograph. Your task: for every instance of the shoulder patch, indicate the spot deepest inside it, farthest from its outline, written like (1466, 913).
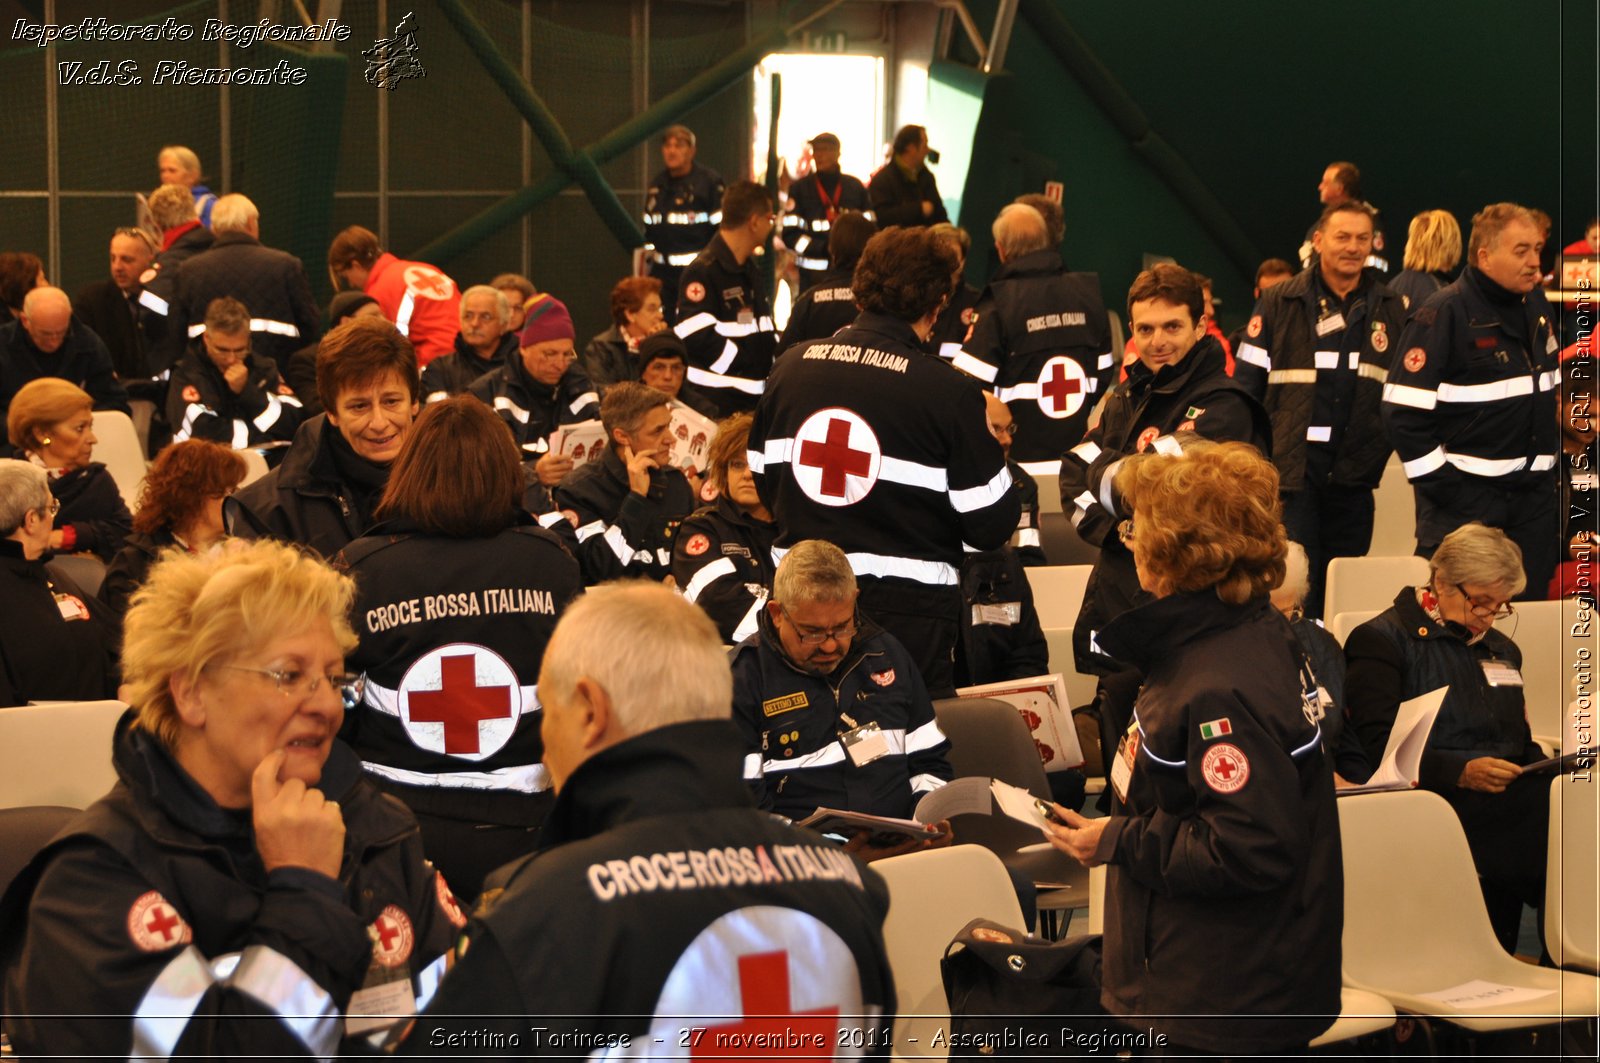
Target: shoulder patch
(155, 925)
(1254, 328)
(884, 678)
(391, 936)
(1225, 767)
(191, 393)
(447, 901)
(697, 545)
(1415, 359)
(694, 291)
(788, 703)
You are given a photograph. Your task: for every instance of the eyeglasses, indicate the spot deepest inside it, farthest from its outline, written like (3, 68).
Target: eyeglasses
(1125, 531)
(1484, 607)
(817, 638)
(298, 684)
(1004, 429)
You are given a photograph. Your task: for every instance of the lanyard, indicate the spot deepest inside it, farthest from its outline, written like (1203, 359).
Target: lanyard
(822, 193)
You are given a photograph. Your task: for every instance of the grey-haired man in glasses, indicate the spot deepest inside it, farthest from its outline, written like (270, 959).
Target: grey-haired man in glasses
(832, 707)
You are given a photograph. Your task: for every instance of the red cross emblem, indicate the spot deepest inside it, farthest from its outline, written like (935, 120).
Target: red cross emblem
(1226, 768)
(462, 700)
(391, 937)
(155, 925)
(764, 1003)
(428, 282)
(1416, 358)
(836, 457)
(1062, 387)
(447, 901)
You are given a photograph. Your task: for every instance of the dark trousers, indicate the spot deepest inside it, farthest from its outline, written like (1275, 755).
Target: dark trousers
(1530, 515)
(1329, 520)
(926, 621)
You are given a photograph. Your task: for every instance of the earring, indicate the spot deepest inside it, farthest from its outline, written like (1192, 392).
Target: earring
(44, 442)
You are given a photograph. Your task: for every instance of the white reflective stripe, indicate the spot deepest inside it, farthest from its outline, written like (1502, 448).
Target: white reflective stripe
(683, 259)
(1377, 262)
(1041, 468)
(191, 413)
(402, 319)
(716, 380)
(715, 217)
(1105, 361)
(698, 583)
(269, 416)
(429, 977)
(1486, 466)
(619, 544)
(974, 366)
(870, 215)
(1318, 433)
(241, 434)
(1355, 359)
(694, 323)
(1087, 451)
(302, 1005)
(730, 351)
(551, 519)
(1028, 537)
(745, 328)
(1309, 746)
(1325, 359)
(925, 737)
(1084, 501)
(832, 753)
(948, 351)
(1256, 356)
(523, 778)
(1543, 462)
(1107, 485)
(651, 218)
(153, 302)
(1372, 372)
(1433, 459)
(1405, 395)
(821, 225)
(936, 573)
(1028, 389)
(750, 621)
(967, 499)
(752, 766)
(684, 218)
(586, 399)
(277, 328)
(1549, 379)
(503, 403)
(926, 783)
(168, 1005)
(195, 330)
(594, 527)
(1292, 376)
(380, 698)
(811, 263)
(1493, 391)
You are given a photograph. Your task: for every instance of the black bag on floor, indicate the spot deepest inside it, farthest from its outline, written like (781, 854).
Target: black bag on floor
(1015, 995)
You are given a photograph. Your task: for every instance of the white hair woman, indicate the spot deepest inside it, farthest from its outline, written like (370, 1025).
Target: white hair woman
(241, 868)
(1443, 634)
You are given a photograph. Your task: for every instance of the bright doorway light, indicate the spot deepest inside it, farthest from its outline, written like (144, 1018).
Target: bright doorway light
(838, 94)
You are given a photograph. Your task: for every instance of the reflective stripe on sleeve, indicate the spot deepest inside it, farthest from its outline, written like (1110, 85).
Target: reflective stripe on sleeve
(1029, 537)
(1486, 466)
(1433, 459)
(1405, 395)
(707, 379)
(277, 328)
(1373, 372)
(683, 259)
(402, 318)
(168, 1005)
(1325, 359)
(191, 413)
(708, 574)
(524, 778)
(948, 351)
(1256, 356)
(748, 623)
(501, 402)
(1086, 452)
(967, 499)
(428, 979)
(925, 737)
(1493, 391)
(752, 766)
(725, 360)
(153, 302)
(974, 367)
(925, 783)
(386, 700)
(269, 416)
(302, 1005)
(594, 527)
(1292, 376)
(694, 323)
(1543, 462)
(587, 398)
(1549, 379)
(1105, 361)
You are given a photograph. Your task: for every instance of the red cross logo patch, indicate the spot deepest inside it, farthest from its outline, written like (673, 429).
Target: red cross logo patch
(694, 291)
(697, 545)
(761, 982)
(191, 393)
(1254, 328)
(1062, 388)
(154, 925)
(1226, 768)
(1380, 340)
(462, 700)
(884, 678)
(428, 282)
(447, 901)
(1146, 437)
(1416, 358)
(391, 937)
(836, 457)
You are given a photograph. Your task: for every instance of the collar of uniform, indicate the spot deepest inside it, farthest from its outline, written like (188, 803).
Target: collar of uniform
(1415, 619)
(1319, 288)
(682, 769)
(724, 255)
(1034, 264)
(734, 513)
(891, 328)
(1491, 290)
(235, 237)
(1203, 359)
(1146, 634)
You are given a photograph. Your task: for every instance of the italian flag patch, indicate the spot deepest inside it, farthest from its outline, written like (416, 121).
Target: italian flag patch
(1216, 728)
(1193, 412)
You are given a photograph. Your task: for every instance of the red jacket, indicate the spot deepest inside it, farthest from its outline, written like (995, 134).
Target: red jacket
(423, 303)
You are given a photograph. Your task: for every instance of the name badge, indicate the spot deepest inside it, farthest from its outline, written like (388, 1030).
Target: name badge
(865, 744)
(1501, 674)
(377, 1006)
(1004, 614)
(1126, 759)
(71, 607)
(1332, 323)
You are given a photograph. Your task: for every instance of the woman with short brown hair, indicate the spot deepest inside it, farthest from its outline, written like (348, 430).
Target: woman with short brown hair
(51, 423)
(458, 590)
(1222, 826)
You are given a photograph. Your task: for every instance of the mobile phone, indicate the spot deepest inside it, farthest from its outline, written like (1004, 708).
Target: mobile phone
(1049, 813)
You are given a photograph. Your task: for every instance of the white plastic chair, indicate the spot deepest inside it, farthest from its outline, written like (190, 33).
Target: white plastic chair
(1370, 582)
(1571, 889)
(1360, 1013)
(1543, 632)
(1344, 623)
(1049, 492)
(932, 895)
(1058, 592)
(119, 448)
(1415, 926)
(1394, 513)
(58, 753)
